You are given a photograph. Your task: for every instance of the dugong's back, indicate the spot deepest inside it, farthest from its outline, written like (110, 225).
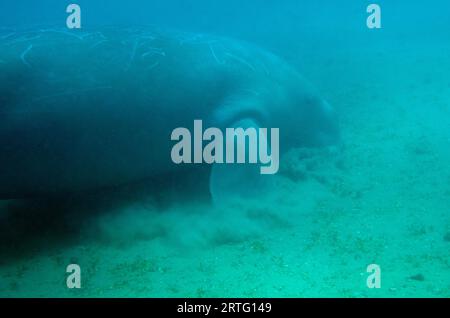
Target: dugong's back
(80, 111)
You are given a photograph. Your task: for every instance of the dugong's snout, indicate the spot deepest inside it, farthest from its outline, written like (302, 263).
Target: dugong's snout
(314, 124)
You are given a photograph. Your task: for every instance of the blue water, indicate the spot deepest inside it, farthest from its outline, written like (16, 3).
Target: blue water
(377, 193)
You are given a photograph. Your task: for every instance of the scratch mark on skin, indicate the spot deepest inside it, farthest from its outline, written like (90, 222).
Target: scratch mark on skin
(148, 38)
(200, 39)
(187, 39)
(62, 32)
(4, 37)
(23, 39)
(133, 55)
(154, 51)
(23, 55)
(98, 43)
(214, 55)
(252, 92)
(153, 66)
(266, 71)
(71, 93)
(93, 34)
(241, 61)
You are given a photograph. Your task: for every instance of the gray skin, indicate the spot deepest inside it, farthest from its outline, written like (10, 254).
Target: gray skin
(85, 111)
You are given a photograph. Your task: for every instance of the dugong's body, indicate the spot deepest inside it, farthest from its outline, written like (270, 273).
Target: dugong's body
(82, 111)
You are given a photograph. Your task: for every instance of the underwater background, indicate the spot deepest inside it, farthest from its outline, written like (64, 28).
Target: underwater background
(381, 196)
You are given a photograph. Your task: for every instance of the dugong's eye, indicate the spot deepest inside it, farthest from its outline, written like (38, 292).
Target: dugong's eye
(309, 103)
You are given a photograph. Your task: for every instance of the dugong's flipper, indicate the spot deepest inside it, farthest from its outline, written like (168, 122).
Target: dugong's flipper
(234, 182)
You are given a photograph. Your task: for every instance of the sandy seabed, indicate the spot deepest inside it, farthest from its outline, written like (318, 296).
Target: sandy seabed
(382, 196)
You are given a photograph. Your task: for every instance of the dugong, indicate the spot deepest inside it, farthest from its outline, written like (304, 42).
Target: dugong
(81, 111)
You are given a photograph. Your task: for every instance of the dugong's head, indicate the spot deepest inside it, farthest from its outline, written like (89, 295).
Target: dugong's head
(305, 119)
(314, 122)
